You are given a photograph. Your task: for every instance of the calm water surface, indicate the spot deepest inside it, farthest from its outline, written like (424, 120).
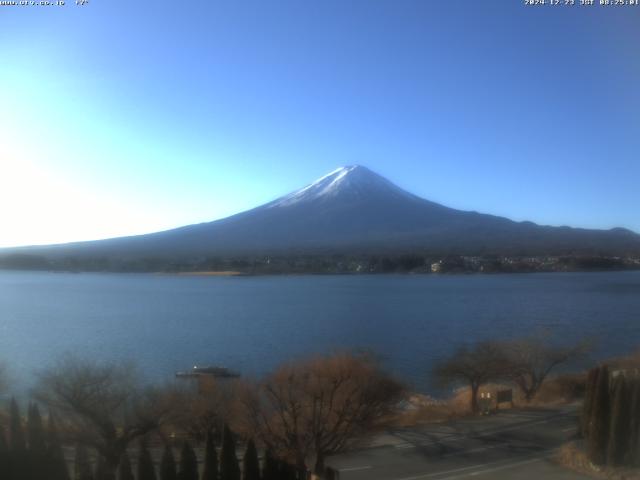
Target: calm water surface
(168, 323)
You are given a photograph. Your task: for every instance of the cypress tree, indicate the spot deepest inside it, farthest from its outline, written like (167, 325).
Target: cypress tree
(229, 468)
(587, 406)
(20, 466)
(146, 470)
(15, 429)
(4, 455)
(38, 464)
(286, 471)
(82, 465)
(168, 465)
(100, 469)
(188, 463)
(55, 454)
(35, 431)
(269, 466)
(634, 447)
(124, 468)
(251, 466)
(619, 432)
(600, 420)
(210, 471)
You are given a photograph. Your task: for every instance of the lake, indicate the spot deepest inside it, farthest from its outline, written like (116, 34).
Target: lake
(167, 323)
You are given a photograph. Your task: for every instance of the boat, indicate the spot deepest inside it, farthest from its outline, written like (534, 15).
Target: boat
(211, 371)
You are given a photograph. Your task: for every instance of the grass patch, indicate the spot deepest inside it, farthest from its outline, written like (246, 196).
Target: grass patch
(422, 409)
(573, 457)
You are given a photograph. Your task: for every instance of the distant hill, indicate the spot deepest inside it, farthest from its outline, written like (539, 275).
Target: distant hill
(352, 210)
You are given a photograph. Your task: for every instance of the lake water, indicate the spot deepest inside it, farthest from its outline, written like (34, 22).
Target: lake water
(167, 323)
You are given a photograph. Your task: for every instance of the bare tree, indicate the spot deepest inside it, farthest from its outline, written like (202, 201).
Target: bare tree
(311, 409)
(477, 365)
(203, 412)
(530, 360)
(103, 405)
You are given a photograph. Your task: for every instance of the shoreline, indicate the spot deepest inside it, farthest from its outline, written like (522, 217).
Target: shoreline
(236, 273)
(206, 273)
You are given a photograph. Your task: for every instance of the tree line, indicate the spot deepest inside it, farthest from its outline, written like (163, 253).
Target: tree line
(323, 263)
(113, 426)
(31, 452)
(110, 424)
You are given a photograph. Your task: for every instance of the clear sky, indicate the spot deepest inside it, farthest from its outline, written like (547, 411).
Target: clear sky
(123, 117)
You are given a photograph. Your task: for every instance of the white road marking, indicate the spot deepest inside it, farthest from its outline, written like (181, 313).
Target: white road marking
(354, 469)
(571, 429)
(473, 467)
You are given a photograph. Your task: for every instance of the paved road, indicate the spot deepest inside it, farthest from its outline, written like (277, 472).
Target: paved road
(508, 445)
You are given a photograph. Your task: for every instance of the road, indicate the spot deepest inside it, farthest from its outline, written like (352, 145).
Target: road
(512, 444)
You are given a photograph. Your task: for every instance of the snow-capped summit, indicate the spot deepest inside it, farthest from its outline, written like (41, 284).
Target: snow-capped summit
(354, 181)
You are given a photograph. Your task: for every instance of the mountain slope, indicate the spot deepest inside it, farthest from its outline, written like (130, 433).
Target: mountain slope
(354, 210)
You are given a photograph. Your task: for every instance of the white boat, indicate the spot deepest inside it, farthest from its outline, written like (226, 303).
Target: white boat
(211, 370)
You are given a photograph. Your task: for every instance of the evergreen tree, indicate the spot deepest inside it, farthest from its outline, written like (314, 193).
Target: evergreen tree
(55, 454)
(4, 455)
(619, 431)
(20, 468)
(587, 406)
(15, 429)
(124, 468)
(188, 463)
(168, 465)
(270, 466)
(210, 471)
(600, 420)
(634, 447)
(251, 466)
(100, 469)
(286, 471)
(146, 470)
(82, 465)
(37, 462)
(35, 431)
(229, 468)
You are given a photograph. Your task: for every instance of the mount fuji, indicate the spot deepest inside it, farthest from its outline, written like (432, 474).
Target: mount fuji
(353, 210)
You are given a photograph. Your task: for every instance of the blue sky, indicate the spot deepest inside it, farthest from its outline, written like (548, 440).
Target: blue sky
(124, 117)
